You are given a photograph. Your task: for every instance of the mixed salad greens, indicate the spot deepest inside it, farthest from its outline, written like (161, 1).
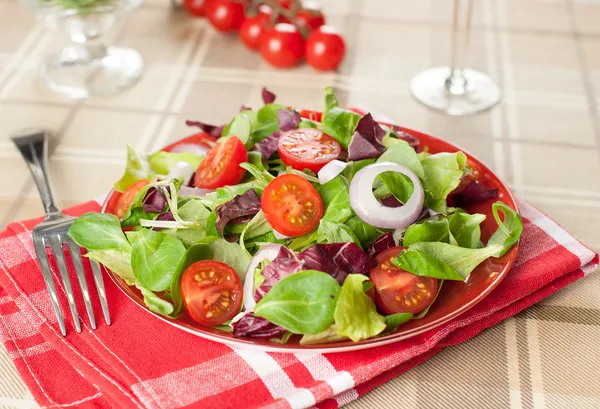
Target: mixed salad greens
(282, 222)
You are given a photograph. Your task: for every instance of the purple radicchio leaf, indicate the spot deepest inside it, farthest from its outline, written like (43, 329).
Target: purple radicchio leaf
(381, 244)
(154, 201)
(337, 259)
(474, 192)
(286, 263)
(268, 146)
(256, 327)
(168, 216)
(267, 96)
(367, 140)
(391, 201)
(240, 209)
(288, 119)
(212, 130)
(412, 141)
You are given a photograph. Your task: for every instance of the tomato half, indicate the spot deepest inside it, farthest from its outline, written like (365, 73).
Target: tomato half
(225, 15)
(397, 290)
(325, 49)
(291, 205)
(282, 46)
(201, 138)
(211, 292)
(127, 198)
(312, 115)
(221, 165)
(307, 148)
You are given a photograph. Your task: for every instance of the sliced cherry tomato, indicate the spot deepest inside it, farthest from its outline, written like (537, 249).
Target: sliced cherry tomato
(211, 292)
(282, 46)
(253, 28)
(201, 138)
(195, 7)
(397, 290)
(127, 198)
(225, 15)
(325, 49)
(309, 17)
(312, 115)
(221, 165)
(307, 148)
(291, 205)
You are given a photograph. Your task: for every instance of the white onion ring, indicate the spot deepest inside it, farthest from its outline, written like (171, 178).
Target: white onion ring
(182, 170)
(370, 210)
(268, 252)
(193, 191)
(194, 148)
(280, 236)
(331, 170)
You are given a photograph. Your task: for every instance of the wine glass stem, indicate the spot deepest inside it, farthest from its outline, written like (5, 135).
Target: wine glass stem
(456, 83)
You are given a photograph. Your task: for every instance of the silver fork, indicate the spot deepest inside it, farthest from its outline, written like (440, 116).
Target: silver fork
(52, 232)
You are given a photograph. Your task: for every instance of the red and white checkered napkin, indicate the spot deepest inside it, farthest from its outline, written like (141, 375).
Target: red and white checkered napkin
(142, 362)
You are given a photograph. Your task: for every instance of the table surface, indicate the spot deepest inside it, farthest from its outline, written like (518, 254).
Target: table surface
(543, 140)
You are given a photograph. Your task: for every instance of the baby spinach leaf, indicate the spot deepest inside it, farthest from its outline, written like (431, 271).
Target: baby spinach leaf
(154, 258)
(195, 253)
(302, 303)
(423, 264)
(442, 175)
(340, 124)
(135, 170)
(99, 231)
(365, 233)
(392, 322)
(508, 231)
(465, 228)
(429, 230)
(163, 162)
(355, 314)
(231, 254)
(117, 261)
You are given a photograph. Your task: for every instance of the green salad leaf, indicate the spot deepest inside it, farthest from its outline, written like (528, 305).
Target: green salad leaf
(266, 121)
(336, 187)
(163, 162)
(355, 315)
(442, 175)
(154, 302)
(240, 126)
(135, 170)
(354, 166)
(302, 303)
(99, 231)
(327, 336)
(338, 208)
(195, 253)
(429, 230)
(392, 322)
(365, 233)
(509, 231)
(333, 232)
(393, 183)
(117, 261)
(465, 228)
(231, 254)
(340, 124)
(305, 123)
(423, 264)
(154, 258)
(302, 242)
(403, 154)
(192, 210)
(331, 101)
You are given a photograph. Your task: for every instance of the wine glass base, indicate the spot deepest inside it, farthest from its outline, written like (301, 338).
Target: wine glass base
(430, 88)
(67, 73)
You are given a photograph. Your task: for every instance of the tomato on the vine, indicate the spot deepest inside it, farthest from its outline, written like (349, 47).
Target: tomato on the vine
(221, 166)
(310, 18)
(307, 148)
(211, 292)
(325, 49)
(291, 205)
(282, 46)
(254, 27)
(196, 8)
(397, 290)
(225, 15)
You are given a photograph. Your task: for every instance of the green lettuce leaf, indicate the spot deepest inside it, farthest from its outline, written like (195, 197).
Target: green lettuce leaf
(340, 124)
(154, 302)
(324, 337)
(240, 126)
(423, 264)
(332, 232)
(331, 101)
(135, 170)
(509, 231)
(465, 228)
(163, 162)
(402, 154)
(365, 233)
(231, 254)
(99, 231)
(355, 314)
(354, 166)
(302, 303)
(392, 322)
(442, 175)
(117, 261)
(427, 231)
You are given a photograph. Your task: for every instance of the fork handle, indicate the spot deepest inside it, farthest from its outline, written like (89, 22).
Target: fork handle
(33, 145)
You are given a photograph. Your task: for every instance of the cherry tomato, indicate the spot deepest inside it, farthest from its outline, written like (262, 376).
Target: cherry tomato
(127, 198)
(282, 46)
(195, 7)
(221, 165)
(325, 49)
(307, 148)
(201, 138)
(253, 28)
(397, 290)
(225, 15)
(291, 205)
(311, 18)
(211, 292)
(312, 115)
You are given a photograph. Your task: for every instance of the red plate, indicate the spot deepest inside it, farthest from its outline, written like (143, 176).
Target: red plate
(454, 298)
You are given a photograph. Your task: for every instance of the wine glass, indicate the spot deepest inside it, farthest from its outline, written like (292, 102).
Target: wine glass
(456, 90)
(87, 67)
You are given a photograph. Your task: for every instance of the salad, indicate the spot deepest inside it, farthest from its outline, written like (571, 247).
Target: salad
(327, 225)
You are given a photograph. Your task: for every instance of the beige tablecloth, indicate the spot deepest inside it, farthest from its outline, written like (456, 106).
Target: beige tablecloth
(544, 140)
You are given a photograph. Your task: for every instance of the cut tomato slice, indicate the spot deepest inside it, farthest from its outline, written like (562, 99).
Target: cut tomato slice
(291, 205)
(312, 115)
(307, 148)
(126, 199)
(211, 291)
(397, 290)
(221, 166)
(201, 138)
